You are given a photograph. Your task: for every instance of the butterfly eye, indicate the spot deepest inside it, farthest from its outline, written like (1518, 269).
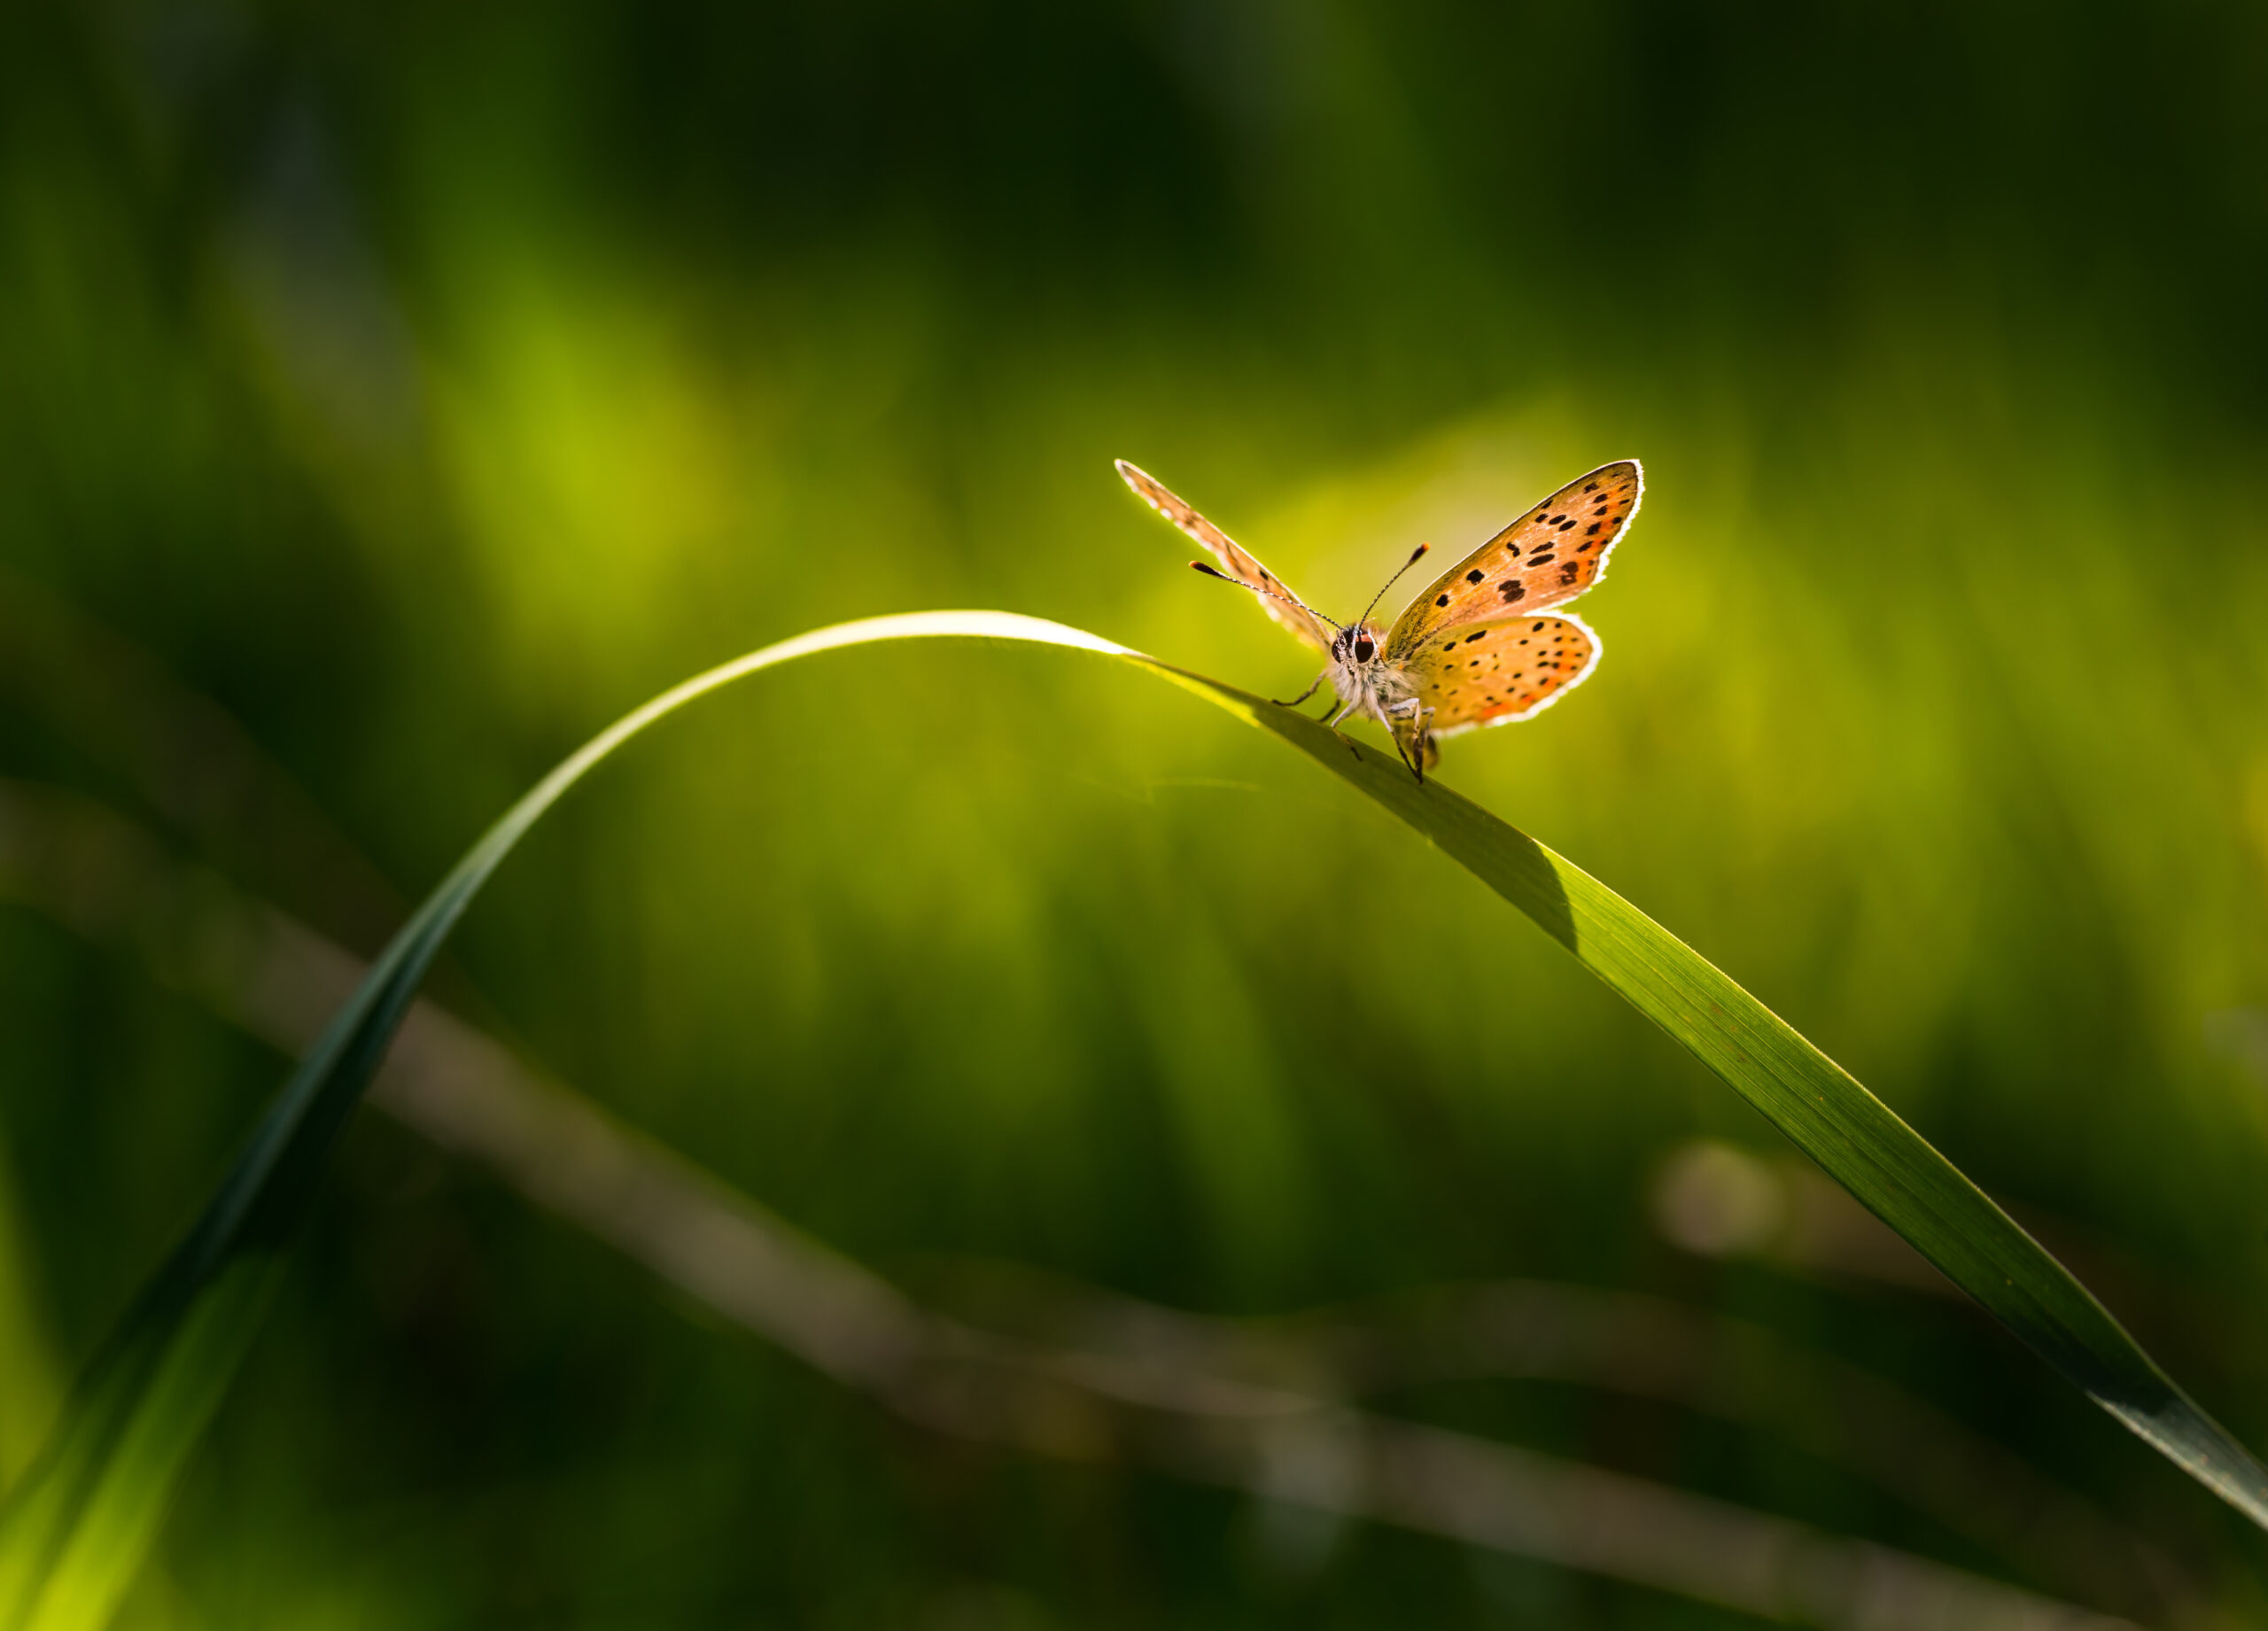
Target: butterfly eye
(1363, 648)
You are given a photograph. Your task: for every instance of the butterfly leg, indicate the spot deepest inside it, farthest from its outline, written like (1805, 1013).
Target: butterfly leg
(1428, 750)
(1337, 712)
(1304, 695)
(1416, 743)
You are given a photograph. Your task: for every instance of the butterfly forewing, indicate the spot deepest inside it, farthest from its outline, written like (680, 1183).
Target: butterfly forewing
(1493, 673)
(1548, 557)
(1234, 560)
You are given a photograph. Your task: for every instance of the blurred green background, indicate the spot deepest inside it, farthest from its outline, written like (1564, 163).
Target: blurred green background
(424, 386)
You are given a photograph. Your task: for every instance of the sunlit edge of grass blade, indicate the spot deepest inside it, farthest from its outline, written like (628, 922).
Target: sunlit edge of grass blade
(75, 1530)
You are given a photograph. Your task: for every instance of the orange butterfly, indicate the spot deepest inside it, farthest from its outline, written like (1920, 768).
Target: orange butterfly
(1471, 649)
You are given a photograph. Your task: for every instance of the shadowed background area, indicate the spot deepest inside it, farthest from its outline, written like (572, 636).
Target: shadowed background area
(388, 397)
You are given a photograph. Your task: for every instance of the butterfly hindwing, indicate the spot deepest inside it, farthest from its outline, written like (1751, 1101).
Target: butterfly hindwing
(1546, 557)
(1493, 673)
(1236, 561)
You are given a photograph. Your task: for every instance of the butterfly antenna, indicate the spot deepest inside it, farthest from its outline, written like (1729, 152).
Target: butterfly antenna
(1215, 571)
(1416, 556)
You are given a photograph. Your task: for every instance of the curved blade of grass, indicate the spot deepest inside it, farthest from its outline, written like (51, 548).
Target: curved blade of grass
(75, 1534)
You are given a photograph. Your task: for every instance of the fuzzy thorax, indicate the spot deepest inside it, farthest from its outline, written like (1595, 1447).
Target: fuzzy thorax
(1366, 683)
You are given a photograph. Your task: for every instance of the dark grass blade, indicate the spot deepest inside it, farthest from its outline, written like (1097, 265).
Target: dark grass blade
(75, 1532)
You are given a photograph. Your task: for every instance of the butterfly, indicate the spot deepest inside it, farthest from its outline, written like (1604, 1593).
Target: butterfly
(1473, 649)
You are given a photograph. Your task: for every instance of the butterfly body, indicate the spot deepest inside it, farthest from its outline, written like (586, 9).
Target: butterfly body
(1368, 681)
(1476, 647)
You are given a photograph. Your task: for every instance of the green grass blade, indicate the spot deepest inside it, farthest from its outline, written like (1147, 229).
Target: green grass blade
(1895, 1173)
(75, 1533)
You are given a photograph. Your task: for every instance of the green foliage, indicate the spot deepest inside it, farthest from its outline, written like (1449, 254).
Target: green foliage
(75, 1534)
(420, 386)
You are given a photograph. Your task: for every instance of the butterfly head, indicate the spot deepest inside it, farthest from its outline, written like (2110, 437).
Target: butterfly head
(1359, 645)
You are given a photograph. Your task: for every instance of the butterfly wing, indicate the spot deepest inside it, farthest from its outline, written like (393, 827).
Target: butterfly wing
(1275, 599)
(1495, 673)
(1548, 557)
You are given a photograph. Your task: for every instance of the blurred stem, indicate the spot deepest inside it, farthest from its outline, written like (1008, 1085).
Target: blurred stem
(30, 1381)
(1264, 1406)
(144, 1404)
